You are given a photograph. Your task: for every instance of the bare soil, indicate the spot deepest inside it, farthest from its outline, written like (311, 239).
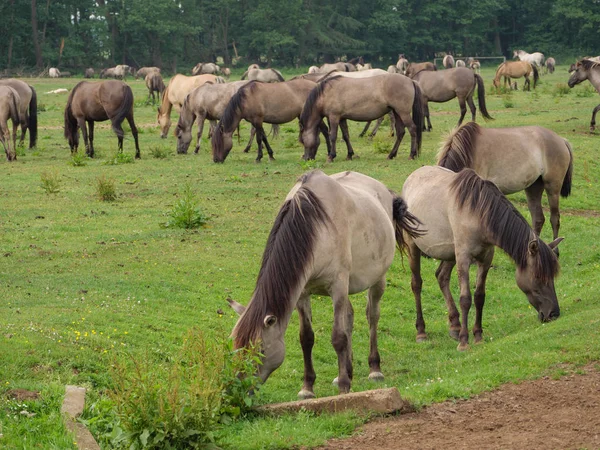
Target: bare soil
(540, 414)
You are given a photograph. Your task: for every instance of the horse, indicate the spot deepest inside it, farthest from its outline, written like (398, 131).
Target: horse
(313, 69)
(143, 71)
(174, 95)
(516, 69)
(118, 72)
(226, 72)
(205, 102)
(448, 62)
(339, 66)
(414, 68)
(361, 67)
(475, 66)
(460, 63)
(263, 75)
(27, 108)
(358, 74)
(587, 70)
(536, 58)
(334, 235)
(402, 64)
(9, 109)
(466, 217)
(393, 69)
(550, 65)
(273, 103)
(96, 102)
(53, 72)
(208, 68)
(534, 159)
(442, 86)
(89, 73)
(364, 99)
(154, 83)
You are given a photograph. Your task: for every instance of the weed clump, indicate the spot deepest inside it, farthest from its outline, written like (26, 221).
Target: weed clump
(106, 190)
(186, 213)
(50, 182)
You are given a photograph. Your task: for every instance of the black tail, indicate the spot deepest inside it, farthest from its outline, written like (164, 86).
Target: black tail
(481, 98)
(404, 221)
(32, 120)
(123, 111)
(565, 190)
(418, 115)
(536, 75)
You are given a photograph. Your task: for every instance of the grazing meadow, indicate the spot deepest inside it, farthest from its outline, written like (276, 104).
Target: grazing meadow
(97, 270)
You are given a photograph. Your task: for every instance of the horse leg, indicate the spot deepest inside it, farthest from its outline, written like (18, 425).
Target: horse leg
(462, 265)
(199, 135)
(325, 133)
(15, 127)
(483, 268)
(90, 124)
(527, 84)
(593, 122)
(252, 134)
(341, 336)
(392, 124)
(307, 341)
(472, 107)
(416, 284)
(553, 200)
(426, 115)
(374, 297)
(333, 130)
(463, 110)
(442, 274)
(365, 129)
(267, 145)
(116, 126)
(84, 134)
(5, 139)
(24, 121)
(346, 137)
(376, 127)
(534, 203)
(134, 131)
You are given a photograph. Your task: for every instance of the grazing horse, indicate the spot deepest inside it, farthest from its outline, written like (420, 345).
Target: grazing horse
(516, 69)
(536, 58)
(53, 72)
(445, 85)
(257, 103)
(154, 83)
(334, 235)
(475, 66)
(533, 159)
(89, 73)
(263, 75)
(414, 68)
(27, 108)
(209, 68)
(9, 109)
(174, 95)
(448, 62)
(96, 102)
(402, 64)
(339, 66)
(226, 72)
(143, 71)
(207, 102)
(364, 99)
(367, 66)
(460, 63)
(466, 217)
(587, 70)
(550, 65)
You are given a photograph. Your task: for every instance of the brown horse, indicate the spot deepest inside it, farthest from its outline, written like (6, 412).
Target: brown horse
(448, 62)
(154, 83)
(533, 159)
(334, 235)
(466, 217)
(516, 69)
(96, 102)
(263, 75)
(143, 71)
(9, 109)
(364, 99)
(27, 108)
(174, 95)
(587, 70)
(445, 85)
(414, 68)
(257, 103)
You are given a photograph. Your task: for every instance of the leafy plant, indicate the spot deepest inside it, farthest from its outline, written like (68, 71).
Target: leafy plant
(50, 182)
(159, 152)
(120, 158)
(78, 160)
(106, 189)
(560, 90)
(508, 101)
(186, 213)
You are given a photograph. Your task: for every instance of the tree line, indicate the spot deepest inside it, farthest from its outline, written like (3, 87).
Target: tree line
(176, 34)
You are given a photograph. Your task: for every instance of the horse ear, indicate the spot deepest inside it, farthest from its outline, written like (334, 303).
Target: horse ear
(533, 247)
(236, 306)
(555, 243)
(270, 320)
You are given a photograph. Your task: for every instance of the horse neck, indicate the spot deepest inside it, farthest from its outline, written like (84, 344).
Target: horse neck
(594, 77)
(166, 105)
(186, 115)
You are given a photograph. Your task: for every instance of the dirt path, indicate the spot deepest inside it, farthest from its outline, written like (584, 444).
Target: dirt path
(541, 414)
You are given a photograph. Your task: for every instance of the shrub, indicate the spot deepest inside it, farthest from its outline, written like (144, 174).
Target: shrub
(106, 189)
(159, 152)
(78, 160)
(186, 213)
(560, 90)
(585, 91)
(508, 101)
(50, 182)
(120, 158)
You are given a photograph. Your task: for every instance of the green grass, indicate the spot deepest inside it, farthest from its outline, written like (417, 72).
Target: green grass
(84, 280)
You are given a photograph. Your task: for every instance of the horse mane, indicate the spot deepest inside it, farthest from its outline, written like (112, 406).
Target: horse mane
(500, 67)
(229, 117)
(70, 121)
(278, 75)
(588, 64)
(288, 253)
(312, 99)
(503, 222)
(456, 152)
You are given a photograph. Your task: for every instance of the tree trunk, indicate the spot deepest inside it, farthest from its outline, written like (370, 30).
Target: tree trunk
(45, 23)
(39, 62)
(10, 40)
(497, 42)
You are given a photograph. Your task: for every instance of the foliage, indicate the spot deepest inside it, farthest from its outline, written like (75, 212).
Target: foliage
(186, 213)
(561, 89)
(78, 160)
(50, 182)
(106, 189)
(159, 152)
(120, 158)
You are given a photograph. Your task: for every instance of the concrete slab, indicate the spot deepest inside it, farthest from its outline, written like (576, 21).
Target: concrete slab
(72, 407)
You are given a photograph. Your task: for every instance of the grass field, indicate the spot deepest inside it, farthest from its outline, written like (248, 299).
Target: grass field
(84, 281)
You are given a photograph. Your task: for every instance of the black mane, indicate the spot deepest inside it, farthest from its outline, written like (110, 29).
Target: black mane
(457, 152)
(312, 99)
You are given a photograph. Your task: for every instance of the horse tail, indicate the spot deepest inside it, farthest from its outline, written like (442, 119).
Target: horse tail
(32, 119)
(14, 108)
(418, 114)
(481, 98)
(565, 190)
(404, 221)
(124, 109)
(245, 74)
(536, 75)
(70, 121)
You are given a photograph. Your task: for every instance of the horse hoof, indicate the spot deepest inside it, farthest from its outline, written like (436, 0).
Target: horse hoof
(478, 340)
(376, 376)
(355, 156)
(411, 157)
(421, 338)
(305, 394)
(454, 334)
(335, 381)
(246, 150)
(271, 158)
(592, 129)
(462, 347)
(329, 159)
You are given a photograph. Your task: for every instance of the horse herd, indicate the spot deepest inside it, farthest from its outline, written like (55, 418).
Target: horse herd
(336, 235)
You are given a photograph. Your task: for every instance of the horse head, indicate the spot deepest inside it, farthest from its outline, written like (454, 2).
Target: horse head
(536, 278)
(221, 143)
(164, 120)
(579, 72)
(184, 138)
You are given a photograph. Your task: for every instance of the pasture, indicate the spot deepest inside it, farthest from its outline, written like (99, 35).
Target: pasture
(84, 281)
